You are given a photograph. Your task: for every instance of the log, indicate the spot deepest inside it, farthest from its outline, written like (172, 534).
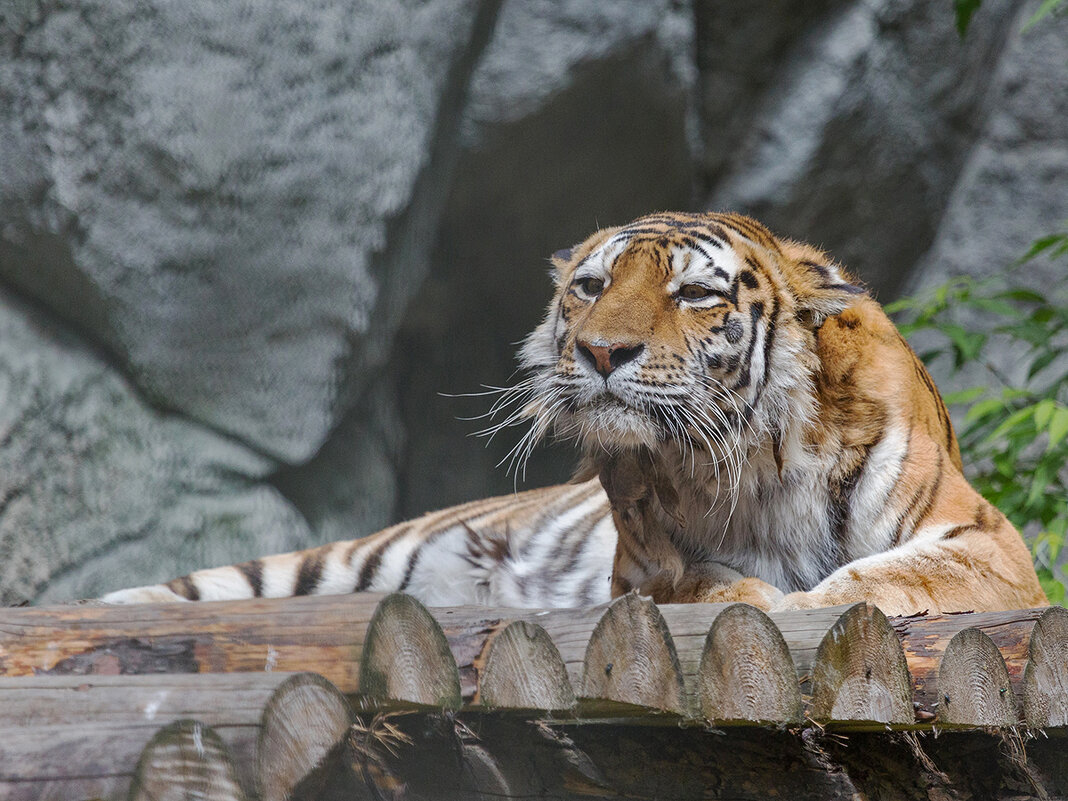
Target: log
(860, 672)
(304, 720)
(746, 673)
(186, 761)
(973, 683)
(406, 657)
(631, 658)
(614, 760)
(524, 670)
(67, 737)
(324, 634)
(925, 637)
(1045, 680)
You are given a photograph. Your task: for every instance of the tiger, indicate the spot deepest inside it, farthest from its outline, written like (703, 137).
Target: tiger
(751, 426)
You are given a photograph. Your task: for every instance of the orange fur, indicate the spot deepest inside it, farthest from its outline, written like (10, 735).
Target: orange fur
(856, 379)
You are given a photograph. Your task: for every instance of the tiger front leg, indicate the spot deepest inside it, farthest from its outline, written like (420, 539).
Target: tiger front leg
(644, 509)
(943, 568)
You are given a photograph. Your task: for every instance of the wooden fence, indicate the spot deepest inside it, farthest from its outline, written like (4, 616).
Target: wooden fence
(379, 697)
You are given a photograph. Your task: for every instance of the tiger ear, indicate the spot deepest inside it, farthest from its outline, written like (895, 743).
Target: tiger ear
(563, 260)
(560, 262)
(820, 286)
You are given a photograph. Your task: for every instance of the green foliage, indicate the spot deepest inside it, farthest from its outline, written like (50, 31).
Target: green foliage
(1014, 435)
(965, 9)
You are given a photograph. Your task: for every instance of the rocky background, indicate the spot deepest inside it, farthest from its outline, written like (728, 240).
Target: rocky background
(245, 245)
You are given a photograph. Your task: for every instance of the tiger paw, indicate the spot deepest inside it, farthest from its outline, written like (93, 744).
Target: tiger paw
(800, 600)
(750, 591)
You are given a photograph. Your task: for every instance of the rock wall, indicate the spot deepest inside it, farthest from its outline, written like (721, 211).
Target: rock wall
(243, 249)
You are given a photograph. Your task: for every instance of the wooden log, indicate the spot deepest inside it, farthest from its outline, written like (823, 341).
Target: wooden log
(860, 672)
(746, 673)
(973, 683)
(524, 670)
(614, 760)
(631, 658)
(186, 761)
(407, 658)
(925, 637)
(67, 737)
(1045, 681)
(324, 634)
(305, 718)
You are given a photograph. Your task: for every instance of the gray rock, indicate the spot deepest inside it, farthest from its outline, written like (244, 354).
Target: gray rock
(580, 116)
(98, 492)
(1013, 189)
(860, 136)
(203, 188)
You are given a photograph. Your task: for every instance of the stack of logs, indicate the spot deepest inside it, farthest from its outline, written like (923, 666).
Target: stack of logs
(369, 696)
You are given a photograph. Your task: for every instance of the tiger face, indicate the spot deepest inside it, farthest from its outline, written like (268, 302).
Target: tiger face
(689, 328)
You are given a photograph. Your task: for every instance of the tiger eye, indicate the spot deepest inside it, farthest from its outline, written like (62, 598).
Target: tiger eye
(694, 291)
(591, 285)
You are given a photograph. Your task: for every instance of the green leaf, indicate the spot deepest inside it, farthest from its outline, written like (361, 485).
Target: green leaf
(1044, 412)
(995, 305)
(1039, 483)
(1011, 422)
(967, 344)
(1043, 11)
(983, 408)
(1043, 361)
(964, 396)
(1058, 427)
(1023, 295)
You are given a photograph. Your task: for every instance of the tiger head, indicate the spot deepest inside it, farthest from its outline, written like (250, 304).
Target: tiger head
(684, 328)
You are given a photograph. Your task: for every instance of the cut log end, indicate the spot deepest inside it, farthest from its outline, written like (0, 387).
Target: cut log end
(1045, 680)
(631, 658)
(524, 670)
(303, 720)
(185, 761)
(407, 658)
(860, 672)
(746, 672)
(973, 683)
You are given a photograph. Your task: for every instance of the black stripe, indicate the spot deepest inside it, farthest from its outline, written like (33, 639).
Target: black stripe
(417, 553)
(756, 311)
(311, 568)
(253, 573)
(374, 559)
(840, 504)
(769, 337)
(185, 587)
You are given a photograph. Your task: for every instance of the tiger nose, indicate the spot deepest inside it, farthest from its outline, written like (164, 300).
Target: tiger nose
(606, 358)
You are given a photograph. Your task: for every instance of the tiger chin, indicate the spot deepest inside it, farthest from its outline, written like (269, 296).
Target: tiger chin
(752, 427)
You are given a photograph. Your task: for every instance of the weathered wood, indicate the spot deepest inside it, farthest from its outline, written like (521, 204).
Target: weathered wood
(746, 672)
(1045, 680)
(524, 670)
(612, 760)
(66, 737)
(186, 761)
(407, 658)
(324, 634)
(925, 637)
(860, 672)
(305, 718)
(631, 658)
(973, 683)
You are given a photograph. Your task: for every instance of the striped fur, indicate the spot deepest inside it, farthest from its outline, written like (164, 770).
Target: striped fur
(760, 430)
